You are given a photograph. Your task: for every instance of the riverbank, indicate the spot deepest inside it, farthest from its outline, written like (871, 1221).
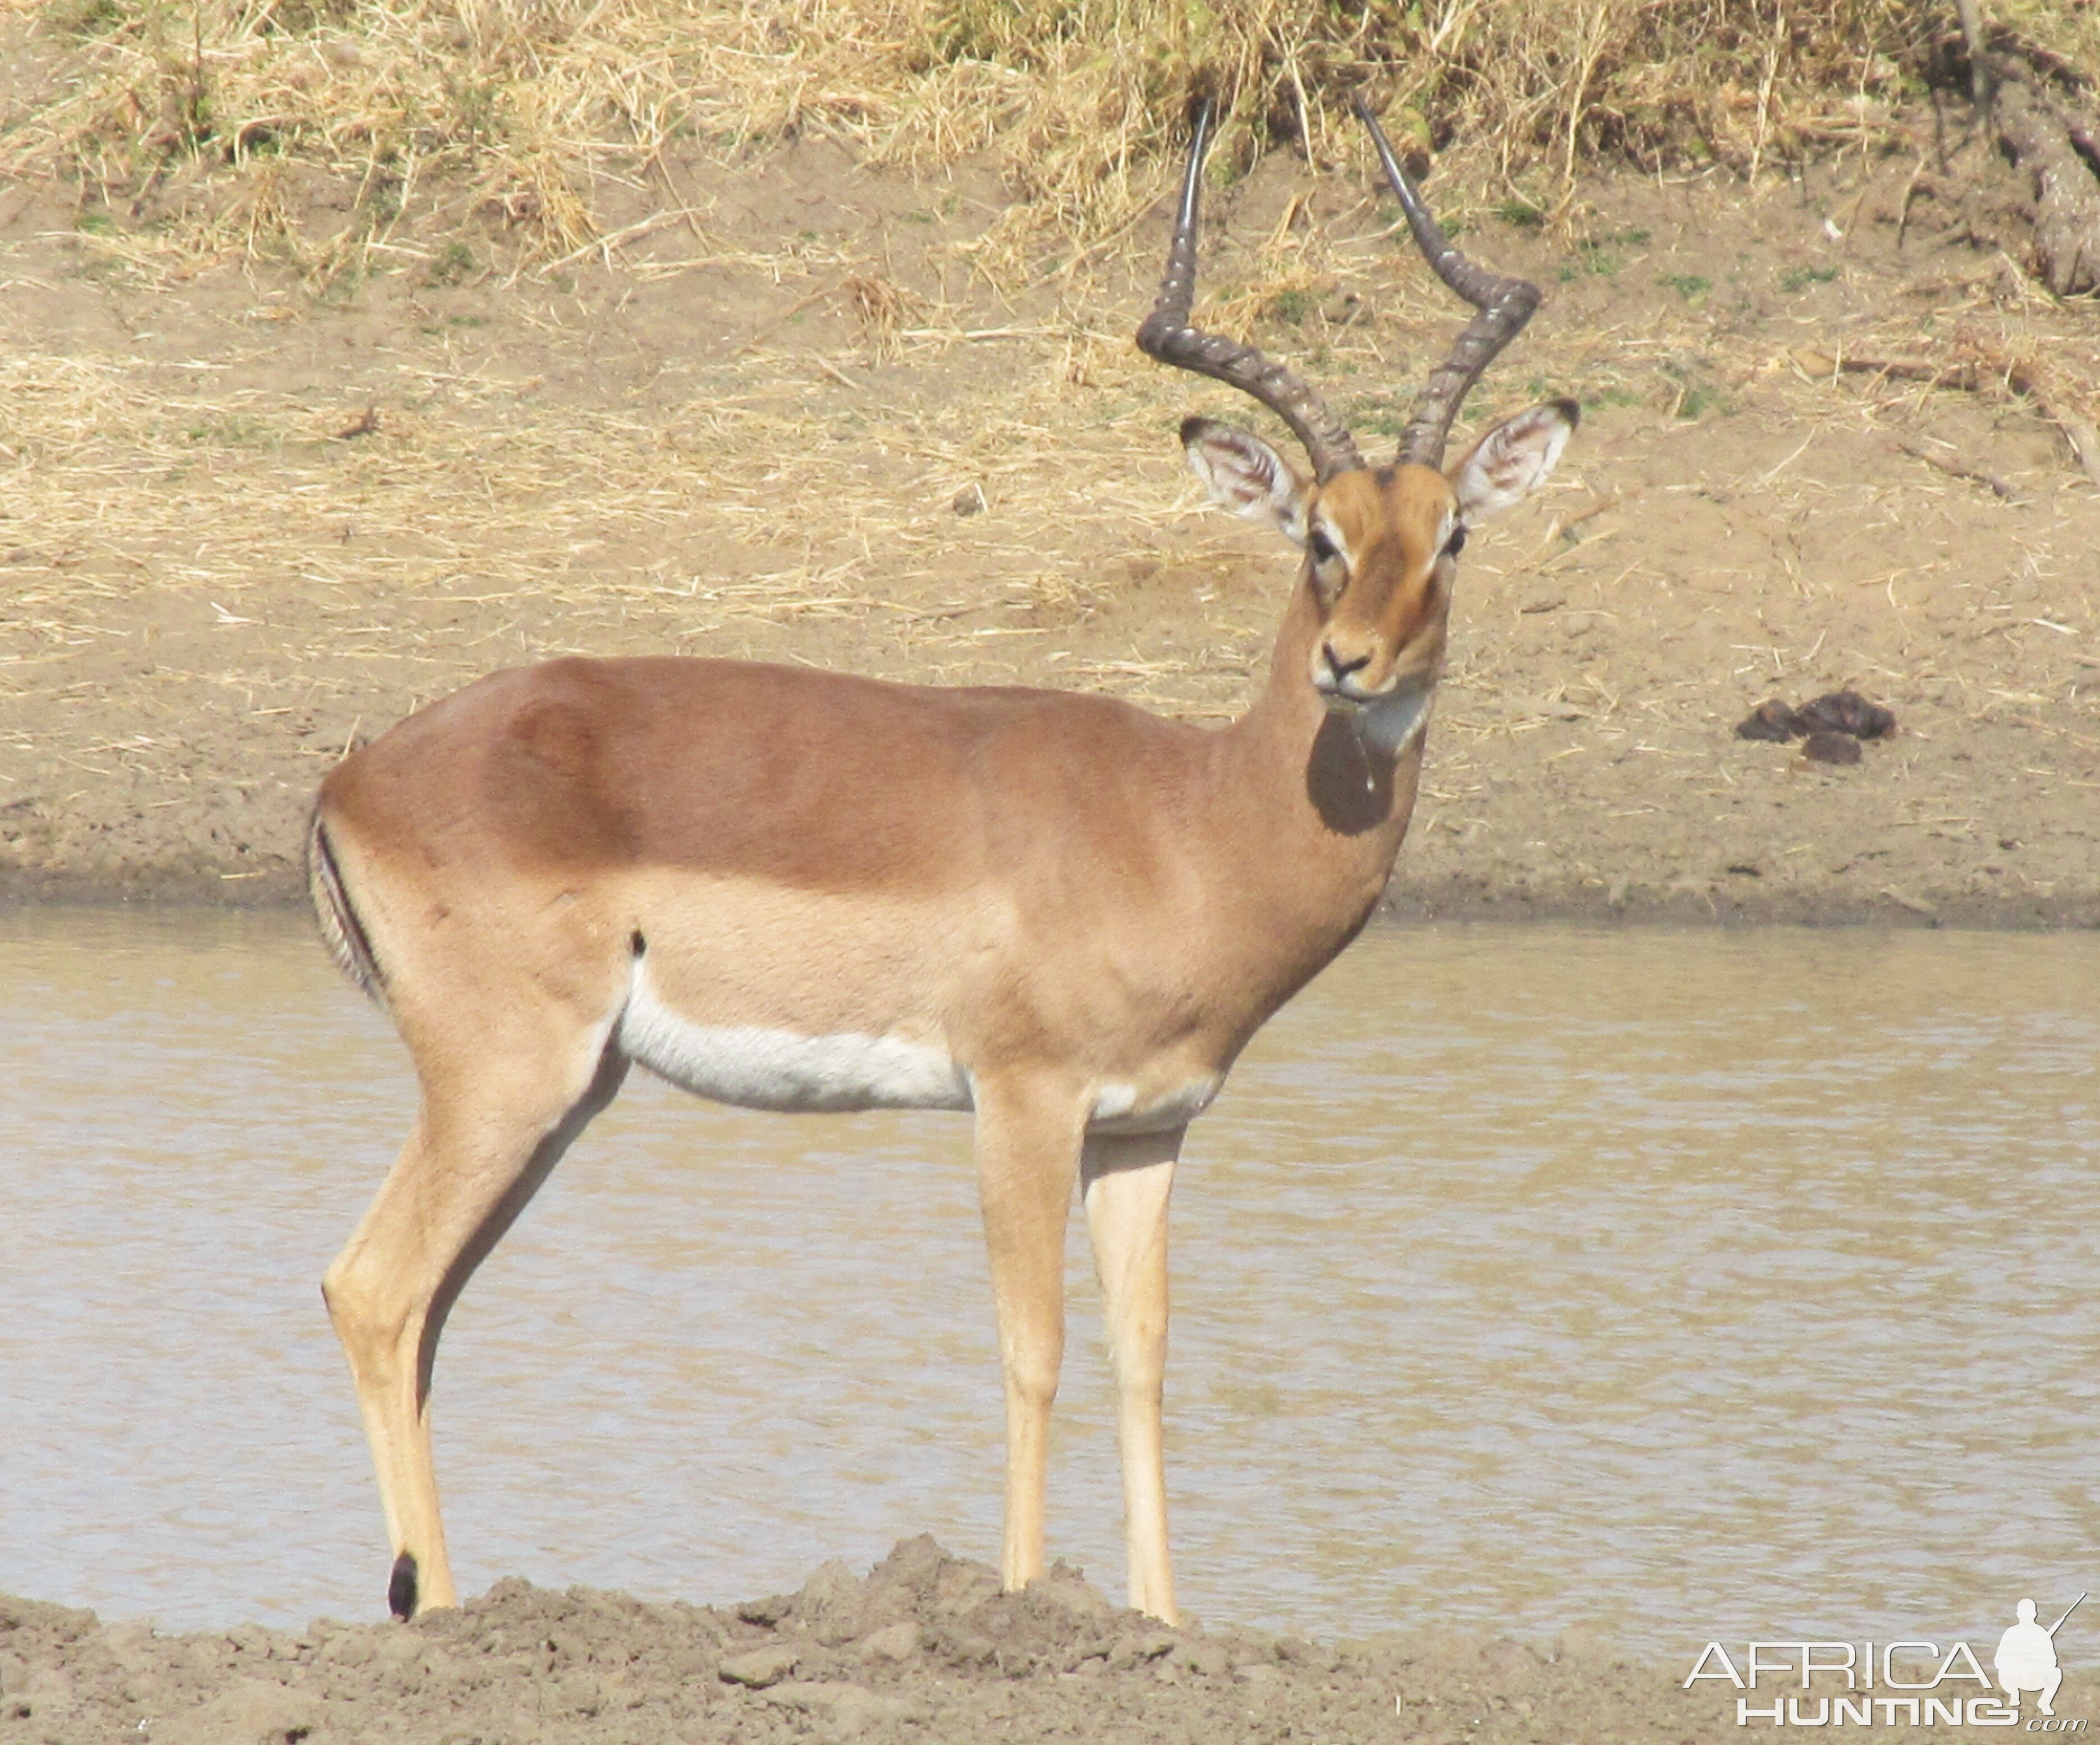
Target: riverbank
(245, 525)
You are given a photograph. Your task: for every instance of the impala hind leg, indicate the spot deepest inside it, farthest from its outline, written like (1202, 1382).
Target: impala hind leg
(1126, 1182)
(1028, 1143)
(479, 1152)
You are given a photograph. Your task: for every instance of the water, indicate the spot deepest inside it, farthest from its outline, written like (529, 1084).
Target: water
(1682, 1286)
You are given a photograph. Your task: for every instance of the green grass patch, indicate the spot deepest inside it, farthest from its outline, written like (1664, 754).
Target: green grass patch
(1693, 393)
(1379, 414)
(455, 260)
(83, 18)
(1292, 306)
(1591, 260)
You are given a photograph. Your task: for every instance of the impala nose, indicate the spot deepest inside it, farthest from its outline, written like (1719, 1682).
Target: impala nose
(1337, 669)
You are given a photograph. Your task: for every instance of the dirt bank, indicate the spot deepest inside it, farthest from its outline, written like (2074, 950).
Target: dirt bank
(924, 1648)
(242, 525)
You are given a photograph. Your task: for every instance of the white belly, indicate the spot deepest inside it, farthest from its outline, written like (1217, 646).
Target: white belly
(756, 1068)
(1121, 1108)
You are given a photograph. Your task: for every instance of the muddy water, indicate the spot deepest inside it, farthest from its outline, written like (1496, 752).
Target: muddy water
(1678, 1285)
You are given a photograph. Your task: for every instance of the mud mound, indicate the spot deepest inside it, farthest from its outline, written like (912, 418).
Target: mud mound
(924, 1648)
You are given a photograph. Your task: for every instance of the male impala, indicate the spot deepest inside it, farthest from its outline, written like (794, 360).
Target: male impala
(790, 890)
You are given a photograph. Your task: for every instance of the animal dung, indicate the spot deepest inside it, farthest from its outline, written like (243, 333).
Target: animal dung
(1771, 720)
(1848, 712)
(1827, 745)
(1832, 724)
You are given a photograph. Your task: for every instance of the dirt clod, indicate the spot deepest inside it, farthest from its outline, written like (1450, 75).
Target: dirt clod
(895, 1641)
(760, 1667)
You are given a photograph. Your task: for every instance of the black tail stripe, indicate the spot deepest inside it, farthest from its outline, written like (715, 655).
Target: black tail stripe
(363, 966)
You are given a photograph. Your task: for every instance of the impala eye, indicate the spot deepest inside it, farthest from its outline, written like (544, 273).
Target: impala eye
(1456, 543)
(1324, 550)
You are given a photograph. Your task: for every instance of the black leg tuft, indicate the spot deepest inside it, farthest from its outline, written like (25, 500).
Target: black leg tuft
(401, 1586)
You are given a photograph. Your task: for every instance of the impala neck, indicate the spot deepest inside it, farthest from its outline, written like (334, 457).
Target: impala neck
(1320, 814)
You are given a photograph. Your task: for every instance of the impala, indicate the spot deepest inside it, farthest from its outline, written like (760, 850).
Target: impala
(790, 890)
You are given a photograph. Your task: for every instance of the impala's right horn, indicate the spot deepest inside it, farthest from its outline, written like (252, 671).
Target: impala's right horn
(1167, 336)
(1505, 305)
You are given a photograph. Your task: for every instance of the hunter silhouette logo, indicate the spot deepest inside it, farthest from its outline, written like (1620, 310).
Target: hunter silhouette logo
(2026, 1659)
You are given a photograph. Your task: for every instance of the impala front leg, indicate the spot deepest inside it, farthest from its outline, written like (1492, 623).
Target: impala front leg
(1126, 1180)
(1029, 1133)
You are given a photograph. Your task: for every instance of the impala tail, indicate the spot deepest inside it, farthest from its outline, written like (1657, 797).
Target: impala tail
(341, 931)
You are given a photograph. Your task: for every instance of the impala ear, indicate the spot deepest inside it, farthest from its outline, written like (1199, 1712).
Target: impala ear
(1513, 460)
(1243, 473)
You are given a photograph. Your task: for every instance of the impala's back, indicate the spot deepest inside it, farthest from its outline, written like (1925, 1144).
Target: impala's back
(787, 889)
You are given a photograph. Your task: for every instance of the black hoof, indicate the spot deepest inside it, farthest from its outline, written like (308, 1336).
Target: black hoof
(401, 1586)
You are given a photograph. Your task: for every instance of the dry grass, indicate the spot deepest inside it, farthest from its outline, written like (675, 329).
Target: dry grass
(596, 520)
(467, 526)
(214, 118)
(455, 529)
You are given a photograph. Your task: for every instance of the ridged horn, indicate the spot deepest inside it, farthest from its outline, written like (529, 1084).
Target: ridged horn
(1505, 305)
(1167, 336)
